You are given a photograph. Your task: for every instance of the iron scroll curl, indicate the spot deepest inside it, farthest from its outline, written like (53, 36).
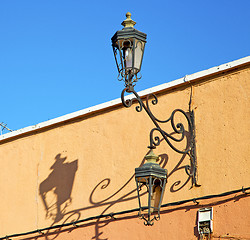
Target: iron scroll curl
(178, 128)
(157, 134)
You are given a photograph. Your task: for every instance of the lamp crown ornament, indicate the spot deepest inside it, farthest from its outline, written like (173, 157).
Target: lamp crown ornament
(128, 22)
(151, 157)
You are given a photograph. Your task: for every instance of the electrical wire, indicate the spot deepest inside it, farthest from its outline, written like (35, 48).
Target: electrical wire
(125, 212)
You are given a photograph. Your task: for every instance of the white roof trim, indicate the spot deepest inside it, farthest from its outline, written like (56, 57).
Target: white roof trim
(165, 86)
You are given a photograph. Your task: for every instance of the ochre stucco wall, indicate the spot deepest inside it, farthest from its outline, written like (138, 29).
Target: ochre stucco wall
(86, 167)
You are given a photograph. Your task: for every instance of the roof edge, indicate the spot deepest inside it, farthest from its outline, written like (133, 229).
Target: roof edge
(115, 102)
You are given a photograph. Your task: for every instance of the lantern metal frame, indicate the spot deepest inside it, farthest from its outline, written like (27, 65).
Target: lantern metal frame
(151, 174)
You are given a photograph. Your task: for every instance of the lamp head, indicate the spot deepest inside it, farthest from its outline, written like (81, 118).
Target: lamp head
(128, 46)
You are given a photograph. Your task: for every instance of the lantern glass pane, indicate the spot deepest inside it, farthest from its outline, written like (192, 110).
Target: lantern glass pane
(155, 197)
(139, 45)
(127, 53)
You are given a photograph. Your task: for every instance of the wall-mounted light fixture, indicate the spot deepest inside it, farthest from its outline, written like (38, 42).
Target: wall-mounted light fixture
(128, 46)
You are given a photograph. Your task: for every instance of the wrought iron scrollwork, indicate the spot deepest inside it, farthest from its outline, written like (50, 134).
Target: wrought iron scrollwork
(170, 138)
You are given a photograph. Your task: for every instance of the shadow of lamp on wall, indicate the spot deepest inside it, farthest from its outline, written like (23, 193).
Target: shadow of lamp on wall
(128, 47)
(59, 183)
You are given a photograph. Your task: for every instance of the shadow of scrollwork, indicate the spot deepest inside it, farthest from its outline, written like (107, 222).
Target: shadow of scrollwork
(100, 224)
(178, 185)
(62, 189)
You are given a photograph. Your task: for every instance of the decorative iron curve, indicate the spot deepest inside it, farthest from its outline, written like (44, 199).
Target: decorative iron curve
(178, 128)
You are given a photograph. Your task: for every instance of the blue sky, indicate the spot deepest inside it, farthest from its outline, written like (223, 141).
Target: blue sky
(56, 56)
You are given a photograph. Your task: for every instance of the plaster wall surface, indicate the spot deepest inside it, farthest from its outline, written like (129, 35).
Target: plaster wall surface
(85, 167)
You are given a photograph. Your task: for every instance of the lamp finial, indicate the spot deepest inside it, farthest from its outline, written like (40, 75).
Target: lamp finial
(128, 22)
(151, 157)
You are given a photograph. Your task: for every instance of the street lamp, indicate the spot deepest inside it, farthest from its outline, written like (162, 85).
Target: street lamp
(153, 178)
(128, 47)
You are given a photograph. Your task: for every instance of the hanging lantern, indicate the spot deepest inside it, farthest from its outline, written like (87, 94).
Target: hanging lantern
(150, 182)
(128, 46)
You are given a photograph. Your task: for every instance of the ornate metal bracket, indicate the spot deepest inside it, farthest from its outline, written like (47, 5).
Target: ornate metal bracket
(178, 128)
